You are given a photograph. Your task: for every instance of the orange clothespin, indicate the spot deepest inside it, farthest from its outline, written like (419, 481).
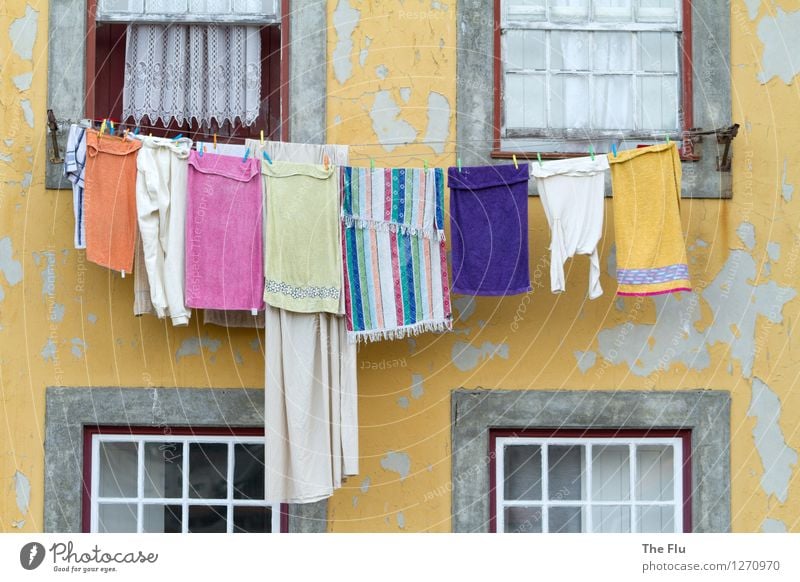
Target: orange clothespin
(326, 161)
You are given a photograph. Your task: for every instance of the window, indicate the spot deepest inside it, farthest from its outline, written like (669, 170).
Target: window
(105, 70)
(574, 71)
(622, 482)
(141, 482)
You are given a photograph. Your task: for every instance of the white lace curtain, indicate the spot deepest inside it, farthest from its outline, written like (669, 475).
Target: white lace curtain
(192, 72)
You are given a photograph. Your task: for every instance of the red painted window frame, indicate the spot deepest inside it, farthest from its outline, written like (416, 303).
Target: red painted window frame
(110, 74)
(90, 430)
(684, 434)
(687, 89)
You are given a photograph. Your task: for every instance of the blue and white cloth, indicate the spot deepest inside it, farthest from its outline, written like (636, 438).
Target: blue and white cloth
(74, 168)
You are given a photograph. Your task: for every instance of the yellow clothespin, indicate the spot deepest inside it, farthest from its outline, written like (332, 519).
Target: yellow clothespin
(262, 138)
(514, 157)
(103, 127)
(215, 142)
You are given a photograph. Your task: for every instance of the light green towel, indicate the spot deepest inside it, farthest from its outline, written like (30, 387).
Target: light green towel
(303, 253)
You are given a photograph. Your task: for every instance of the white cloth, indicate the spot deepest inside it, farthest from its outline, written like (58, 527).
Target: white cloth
(311, 406)
(192, 72)
(161, 206)
(74, 169)
(572, 193)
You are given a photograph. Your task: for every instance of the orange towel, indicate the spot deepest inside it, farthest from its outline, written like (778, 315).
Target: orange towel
(110, 200)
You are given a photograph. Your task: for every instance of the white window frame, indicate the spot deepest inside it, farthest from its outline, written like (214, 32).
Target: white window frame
(182, 13)
(587, 442)
(184, 501)
(532, 137)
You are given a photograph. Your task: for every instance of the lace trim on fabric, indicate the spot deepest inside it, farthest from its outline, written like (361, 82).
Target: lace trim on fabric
(296, 292)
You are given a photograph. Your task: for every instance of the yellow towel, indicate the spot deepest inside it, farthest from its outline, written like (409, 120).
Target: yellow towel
(651, 253)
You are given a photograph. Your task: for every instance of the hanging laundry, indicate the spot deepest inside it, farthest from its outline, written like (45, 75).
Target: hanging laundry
(489, 229)
(395, 263)
(142, 305)
(311, 404)
(572, 193)
(303, 237)
(74, 169)
(224, 258)
(110, 200)
(163, 166)
(651, 254)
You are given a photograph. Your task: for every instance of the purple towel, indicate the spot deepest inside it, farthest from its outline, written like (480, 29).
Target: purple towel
(224, 240)
(489, 230)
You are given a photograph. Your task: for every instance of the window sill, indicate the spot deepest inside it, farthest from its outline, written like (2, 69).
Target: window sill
(508, 155)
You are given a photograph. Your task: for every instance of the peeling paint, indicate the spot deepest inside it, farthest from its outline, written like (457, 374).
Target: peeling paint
(781, 45)
(191, 346)
(365, 483)
(438, 131)
(752, 8)
(465, 305)
(92, 318)
(345, 20)
(255, 344)
(11, 269)
(381, 71)
(774, 251)
(417, 389)
(777, 457)
(23, 82)
(403, 402)
(78, 347)
(771, 525)
(362, 55)
(586, 360)
(465, 357)
(22, 488)
(405, 94)
(399, 463)
(27, 111)
(747, 234)
(48, 352)
(391, 130)
(237, 357)
(57, 312)
(401, 520)
(48, 273)
(701, 243)
(22, 33)
(787, 190)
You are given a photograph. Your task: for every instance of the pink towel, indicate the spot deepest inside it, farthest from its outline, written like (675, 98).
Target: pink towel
(224, 240)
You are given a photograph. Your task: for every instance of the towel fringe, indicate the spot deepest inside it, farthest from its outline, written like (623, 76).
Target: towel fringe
(351, 221)
(401, 332)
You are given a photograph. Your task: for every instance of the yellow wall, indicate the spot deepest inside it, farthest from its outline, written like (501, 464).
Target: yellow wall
(64, 321)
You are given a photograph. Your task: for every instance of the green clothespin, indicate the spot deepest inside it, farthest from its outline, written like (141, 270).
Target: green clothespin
(539, 157)
(371, 164)
(425, 165)
(667, 136)
(591, 151)
(458, 161)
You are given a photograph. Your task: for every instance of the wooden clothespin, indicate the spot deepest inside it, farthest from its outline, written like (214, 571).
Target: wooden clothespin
(246, 155)
(266, 157)
(458, 161)
(591, 151)
(514, 157)
(614, 149)
(539, 157)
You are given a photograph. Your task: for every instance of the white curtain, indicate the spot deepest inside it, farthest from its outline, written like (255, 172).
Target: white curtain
(192, 72)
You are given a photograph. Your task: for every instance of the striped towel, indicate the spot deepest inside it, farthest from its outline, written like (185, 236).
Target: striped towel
(393, 248)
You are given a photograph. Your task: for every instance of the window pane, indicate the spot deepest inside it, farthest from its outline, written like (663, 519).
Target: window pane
(565, 473)
(207, 519)
(118, 464)
(657, 11)
(569, 51)
(658, 103)
(656, 519)
(569, 104)
(530, 9)
(166, 6)
(163, 470)
(658, 52)
(209, 6)
(208, 466)
(252, 520)
(564, 520)
(135, 6)
(569, 10)
(612, 10)
(524, 49)
(654, 473)
(525, 101)
(161, 519)
(611, 519)
(248, 472)
(613, 102)
(523, 519)
(612, 51)
(117, 518)
(523, 472)
(611, 473)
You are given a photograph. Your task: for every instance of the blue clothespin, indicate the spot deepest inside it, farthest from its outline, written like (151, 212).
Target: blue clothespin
(136, 130)
(266, 157)
(591, 151)
(177, 137)
(246, 155)
(201, 149)
(614, 149)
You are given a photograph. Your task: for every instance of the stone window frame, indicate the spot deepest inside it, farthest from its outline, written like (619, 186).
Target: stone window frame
(711, 97)
(705, 412)
(66, 91)
(69, 410)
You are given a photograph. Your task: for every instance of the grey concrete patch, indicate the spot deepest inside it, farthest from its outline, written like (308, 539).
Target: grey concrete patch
(438, 131)
(746, 232)
(11, 269)
(23, 32)
(364, 52)
(774, 251)
(381, 71)
(345, 21)
(770, 525)
(405, 94)
(23, 82)
(705, 412)
(787, 190)
(191, 346)
(465, 305)
(752, 8)
(466, 357)
(403, 402)
(365, 483)
(397, 462)
(417, 387)
(308, 74)
(22, 491)
(781, 42)
(387, 124)
(586, 360)
(27, 112)
(777, 457)
(70, 410)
